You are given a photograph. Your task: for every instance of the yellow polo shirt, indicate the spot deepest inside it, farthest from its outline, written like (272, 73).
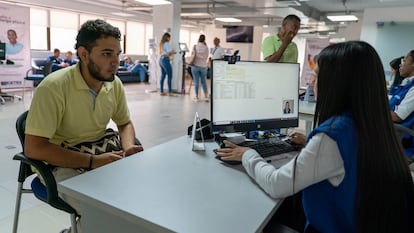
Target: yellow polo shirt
(63, 108)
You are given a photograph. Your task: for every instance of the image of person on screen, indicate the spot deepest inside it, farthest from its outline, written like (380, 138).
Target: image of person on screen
(287, 109)
(334, 170)
(13, 47)
(280, 47)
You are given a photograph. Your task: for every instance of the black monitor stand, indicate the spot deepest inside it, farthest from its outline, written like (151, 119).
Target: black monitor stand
(182, 52)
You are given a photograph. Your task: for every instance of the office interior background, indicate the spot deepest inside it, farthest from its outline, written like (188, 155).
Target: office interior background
(386, 24)
(379, 22)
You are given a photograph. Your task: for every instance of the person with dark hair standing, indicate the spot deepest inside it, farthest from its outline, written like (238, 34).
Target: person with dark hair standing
(351, 156)
(279, 47)
(75, 105)
(165, 63)
(396, 77)
(199, 66)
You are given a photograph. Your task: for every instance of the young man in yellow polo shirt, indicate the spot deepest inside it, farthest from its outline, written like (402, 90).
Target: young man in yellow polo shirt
(75, 104)
(279, 47)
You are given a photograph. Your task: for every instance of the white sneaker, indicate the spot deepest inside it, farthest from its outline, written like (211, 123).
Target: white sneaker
(196, 99)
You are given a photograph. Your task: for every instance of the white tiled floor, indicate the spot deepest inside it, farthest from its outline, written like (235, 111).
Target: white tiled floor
(157, 119)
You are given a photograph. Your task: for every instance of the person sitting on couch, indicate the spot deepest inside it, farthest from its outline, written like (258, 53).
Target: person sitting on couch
(135, 67)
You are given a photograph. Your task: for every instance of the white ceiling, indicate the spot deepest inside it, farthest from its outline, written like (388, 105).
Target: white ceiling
(252, 12)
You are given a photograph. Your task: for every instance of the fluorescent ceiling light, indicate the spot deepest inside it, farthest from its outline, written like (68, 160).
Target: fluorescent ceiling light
(154, 2)
(229, 20)
(122, 14)
(199, 14)
(338, 18)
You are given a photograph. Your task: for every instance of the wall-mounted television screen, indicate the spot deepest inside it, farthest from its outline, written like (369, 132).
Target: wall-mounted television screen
(239, 34)
(2, 51)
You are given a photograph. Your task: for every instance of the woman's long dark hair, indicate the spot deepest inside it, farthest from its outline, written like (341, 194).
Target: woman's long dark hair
(351, 78)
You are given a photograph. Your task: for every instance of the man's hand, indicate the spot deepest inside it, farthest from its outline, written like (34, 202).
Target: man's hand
(105, 158)
(298, 139)
(287, 37)
(133, 150)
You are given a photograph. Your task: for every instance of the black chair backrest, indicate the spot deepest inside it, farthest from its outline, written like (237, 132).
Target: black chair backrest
(21, 127)
(25, 169)
(48, 68)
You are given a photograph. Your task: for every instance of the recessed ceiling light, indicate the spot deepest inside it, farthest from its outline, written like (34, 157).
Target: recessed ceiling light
(199, 14)
(342, 18)
(122, 14)
(229, 20)
(154, 2)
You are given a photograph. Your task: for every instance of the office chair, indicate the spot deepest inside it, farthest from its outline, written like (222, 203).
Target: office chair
(47, 193)
(37, 74)
(401, 132)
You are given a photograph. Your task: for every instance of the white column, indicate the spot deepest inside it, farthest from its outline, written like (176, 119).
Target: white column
(167, 18)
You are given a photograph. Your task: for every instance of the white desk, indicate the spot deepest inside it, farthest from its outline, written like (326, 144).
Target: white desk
(306, 113)
(169, 188)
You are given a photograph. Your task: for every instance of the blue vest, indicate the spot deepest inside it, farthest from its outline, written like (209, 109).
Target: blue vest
(398, 96)
(330, 209)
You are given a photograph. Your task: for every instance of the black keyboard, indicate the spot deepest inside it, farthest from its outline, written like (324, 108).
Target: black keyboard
(265, 147)
(269, 146)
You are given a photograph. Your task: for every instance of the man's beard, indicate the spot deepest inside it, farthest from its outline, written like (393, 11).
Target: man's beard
(94, 70)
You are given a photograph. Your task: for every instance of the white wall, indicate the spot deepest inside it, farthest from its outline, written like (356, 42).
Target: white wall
(374, 15)
(247, 51)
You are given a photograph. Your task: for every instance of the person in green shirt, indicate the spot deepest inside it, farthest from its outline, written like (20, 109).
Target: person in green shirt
(279, 47)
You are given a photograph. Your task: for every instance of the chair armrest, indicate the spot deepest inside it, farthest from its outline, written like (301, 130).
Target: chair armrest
(44, 171)
(28, 71)
(401, 130)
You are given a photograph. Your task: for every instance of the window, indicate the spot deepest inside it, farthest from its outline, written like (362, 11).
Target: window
(121, 26)
(63, 30)
(135, 41)
(38, 29)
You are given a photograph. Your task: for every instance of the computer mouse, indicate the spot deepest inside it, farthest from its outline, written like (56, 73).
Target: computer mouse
(231, 162)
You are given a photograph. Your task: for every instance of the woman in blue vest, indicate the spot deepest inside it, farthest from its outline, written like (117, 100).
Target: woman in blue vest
(352, 171)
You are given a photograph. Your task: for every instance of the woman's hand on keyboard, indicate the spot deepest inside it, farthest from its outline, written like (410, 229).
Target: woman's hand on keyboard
(231, 151)
(298, 139)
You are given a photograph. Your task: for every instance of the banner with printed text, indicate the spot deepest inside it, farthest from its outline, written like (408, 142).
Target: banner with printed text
(312, 49)
(15, 40)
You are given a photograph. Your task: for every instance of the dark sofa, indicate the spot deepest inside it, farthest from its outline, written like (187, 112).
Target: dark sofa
(128, 77)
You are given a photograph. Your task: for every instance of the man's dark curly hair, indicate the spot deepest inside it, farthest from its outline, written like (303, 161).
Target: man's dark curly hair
(93, 30)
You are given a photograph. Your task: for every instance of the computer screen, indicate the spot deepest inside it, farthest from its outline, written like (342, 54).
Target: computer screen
(183, 47)
(251, 95)
(2, 51)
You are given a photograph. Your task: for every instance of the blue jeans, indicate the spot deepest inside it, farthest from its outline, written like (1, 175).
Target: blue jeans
(165, 70)
(141, 70)
(199, 73)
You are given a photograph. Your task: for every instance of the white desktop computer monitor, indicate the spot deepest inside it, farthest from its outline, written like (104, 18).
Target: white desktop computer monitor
(183, 47)
(251, 95)
(2, 51)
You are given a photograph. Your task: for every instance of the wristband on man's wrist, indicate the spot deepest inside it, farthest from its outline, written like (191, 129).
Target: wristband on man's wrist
(90, 162)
